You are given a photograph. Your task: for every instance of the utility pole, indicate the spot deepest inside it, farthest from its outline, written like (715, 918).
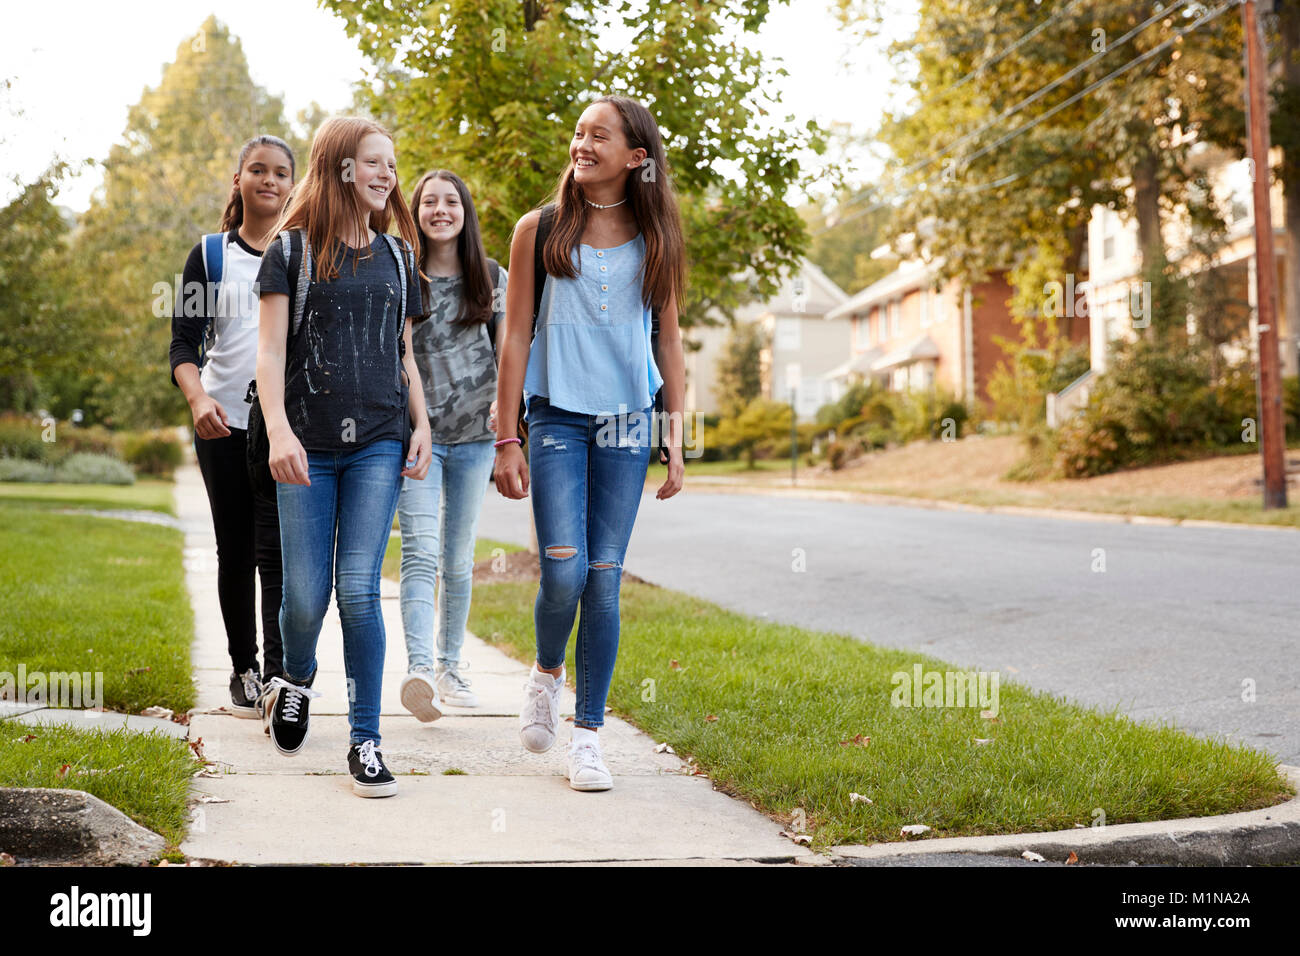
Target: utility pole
(1272, 445)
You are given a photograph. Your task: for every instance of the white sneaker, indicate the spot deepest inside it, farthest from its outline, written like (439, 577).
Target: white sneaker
(453, 687)
(540, 716)
(420, 696)
(587, 771)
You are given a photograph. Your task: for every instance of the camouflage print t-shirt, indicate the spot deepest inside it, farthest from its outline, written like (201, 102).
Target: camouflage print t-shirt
(457, 365)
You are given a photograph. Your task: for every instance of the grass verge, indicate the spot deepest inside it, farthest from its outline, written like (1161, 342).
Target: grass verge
(142, 496)
(146, 776)
(483, 548)
(99, 596)
(771, 713)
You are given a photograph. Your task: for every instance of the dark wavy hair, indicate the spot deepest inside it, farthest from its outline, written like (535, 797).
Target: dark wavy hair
(476, 290)
(233, 217)
(654, 204)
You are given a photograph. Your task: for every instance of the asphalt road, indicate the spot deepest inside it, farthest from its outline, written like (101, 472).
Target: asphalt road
(1167, 623)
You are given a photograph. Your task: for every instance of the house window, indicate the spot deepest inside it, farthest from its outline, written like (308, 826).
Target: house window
(788, 334)
(1108, 247)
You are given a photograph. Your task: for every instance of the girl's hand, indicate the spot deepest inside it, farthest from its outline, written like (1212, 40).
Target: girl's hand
(209, 417)
(676, 475)
(419, 455)
(492, 416)
(288, 460)
(511, 471)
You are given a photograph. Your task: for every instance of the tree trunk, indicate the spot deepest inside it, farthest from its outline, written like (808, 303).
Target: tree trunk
(1146, 202)
(1289, 339)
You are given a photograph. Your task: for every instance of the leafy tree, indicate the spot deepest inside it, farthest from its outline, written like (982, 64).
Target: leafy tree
(165, 184)
(739, 369)
(758, 421)
(491, 89)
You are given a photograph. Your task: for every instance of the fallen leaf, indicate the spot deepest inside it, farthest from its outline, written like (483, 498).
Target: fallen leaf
(803, 839)
(26, 738)
(673, 665)
(157, 711)
(209, 798)
(197, 747)
(63, 771)
(914, 829)
(206, 773)
(1072, 858)
(981, 741)
(860, 740)
(859, 798)
(711, 718)
(1032, 857)
(138, 670)
(182, 719)
(664, 748)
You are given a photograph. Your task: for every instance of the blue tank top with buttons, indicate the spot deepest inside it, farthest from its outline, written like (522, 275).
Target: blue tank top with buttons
(592, 350)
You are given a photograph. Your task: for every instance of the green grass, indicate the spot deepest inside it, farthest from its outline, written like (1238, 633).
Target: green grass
(146, 776)
(143, 495)
(97, 595)
(785, 698)
(483, 548)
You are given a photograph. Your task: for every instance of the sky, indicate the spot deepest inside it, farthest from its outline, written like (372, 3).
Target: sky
(76, 66)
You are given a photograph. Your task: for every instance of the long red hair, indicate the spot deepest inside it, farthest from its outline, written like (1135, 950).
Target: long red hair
(326, 204)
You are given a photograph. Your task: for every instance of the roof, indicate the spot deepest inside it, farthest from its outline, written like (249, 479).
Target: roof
(908, 276)
(916, 350)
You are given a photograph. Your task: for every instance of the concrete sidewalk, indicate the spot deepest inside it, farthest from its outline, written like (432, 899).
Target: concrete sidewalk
(505, 806)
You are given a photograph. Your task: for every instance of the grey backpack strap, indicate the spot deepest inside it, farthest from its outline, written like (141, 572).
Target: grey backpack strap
(304, 276)
(402, 265)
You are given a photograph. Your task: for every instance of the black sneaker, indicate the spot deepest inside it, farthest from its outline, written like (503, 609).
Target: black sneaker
(286, 704)
(370, 778)
(245, 689)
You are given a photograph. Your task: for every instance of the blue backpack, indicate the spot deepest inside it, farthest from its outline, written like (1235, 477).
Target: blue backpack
(214, 267)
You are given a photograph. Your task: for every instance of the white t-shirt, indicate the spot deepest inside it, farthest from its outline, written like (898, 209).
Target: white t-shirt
(232, 361)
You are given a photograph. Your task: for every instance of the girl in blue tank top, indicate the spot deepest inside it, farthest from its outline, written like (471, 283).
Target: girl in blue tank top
(613, 255)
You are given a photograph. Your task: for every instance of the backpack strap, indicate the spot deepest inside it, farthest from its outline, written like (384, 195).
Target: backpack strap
(213, 248)
(405, 267)
(494, 271)
(299, 299)
(545, 222)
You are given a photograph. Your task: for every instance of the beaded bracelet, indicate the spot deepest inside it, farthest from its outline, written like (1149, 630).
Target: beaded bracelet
(506, 441)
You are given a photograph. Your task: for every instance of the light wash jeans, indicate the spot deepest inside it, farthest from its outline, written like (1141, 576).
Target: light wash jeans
(438, 517)
(333, 533)
(586, 476)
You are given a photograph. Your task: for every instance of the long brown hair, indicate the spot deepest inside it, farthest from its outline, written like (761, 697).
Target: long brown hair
(325, 204)
(233, 217)
(476, 290)
(654, 204)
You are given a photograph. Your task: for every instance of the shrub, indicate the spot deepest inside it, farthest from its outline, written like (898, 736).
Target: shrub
(20, 437)
(152, 453)
(89, 469)
(19, 469)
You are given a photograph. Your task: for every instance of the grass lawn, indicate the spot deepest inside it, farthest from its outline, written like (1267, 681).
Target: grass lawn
(786, 700)
(146, 495)
(97, 595)
(483, 548)
(146, 776)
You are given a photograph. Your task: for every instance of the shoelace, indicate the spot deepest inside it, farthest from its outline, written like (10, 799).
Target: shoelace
(366, 754)
(453, 675)
(293, 697)
(539, 705)
(252, 686)
(588, 757)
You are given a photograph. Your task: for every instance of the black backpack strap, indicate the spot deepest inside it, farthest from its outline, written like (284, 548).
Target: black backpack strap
(494, 272)
(545, 221)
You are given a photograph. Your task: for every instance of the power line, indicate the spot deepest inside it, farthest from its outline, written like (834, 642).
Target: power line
(1200, 21)
(930, 160)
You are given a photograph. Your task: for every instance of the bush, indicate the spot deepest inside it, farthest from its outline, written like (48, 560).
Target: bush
(84, 468)
(91, 440)
(19, 469)
(20, 437)
(152, 453)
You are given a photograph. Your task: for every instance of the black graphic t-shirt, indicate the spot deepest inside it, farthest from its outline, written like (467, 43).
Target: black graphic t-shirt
(344, 385)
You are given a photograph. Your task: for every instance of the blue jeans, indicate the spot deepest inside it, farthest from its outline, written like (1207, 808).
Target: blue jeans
(439, 517)
(587, 473)
(335, 531)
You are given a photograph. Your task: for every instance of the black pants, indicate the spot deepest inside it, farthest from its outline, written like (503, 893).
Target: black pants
(247, 525)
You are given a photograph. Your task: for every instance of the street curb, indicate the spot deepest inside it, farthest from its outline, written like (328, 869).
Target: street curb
(714, 484)
(71, 826)
(1252, 838)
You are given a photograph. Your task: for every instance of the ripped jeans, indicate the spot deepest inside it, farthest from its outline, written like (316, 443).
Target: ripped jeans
(587, 473)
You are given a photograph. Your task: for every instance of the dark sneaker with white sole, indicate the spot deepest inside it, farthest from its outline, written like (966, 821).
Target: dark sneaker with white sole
(287, 705)
(245, 689)
(370, 778)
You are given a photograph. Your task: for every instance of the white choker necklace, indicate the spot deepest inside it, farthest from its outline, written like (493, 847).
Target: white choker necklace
(597, 205)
